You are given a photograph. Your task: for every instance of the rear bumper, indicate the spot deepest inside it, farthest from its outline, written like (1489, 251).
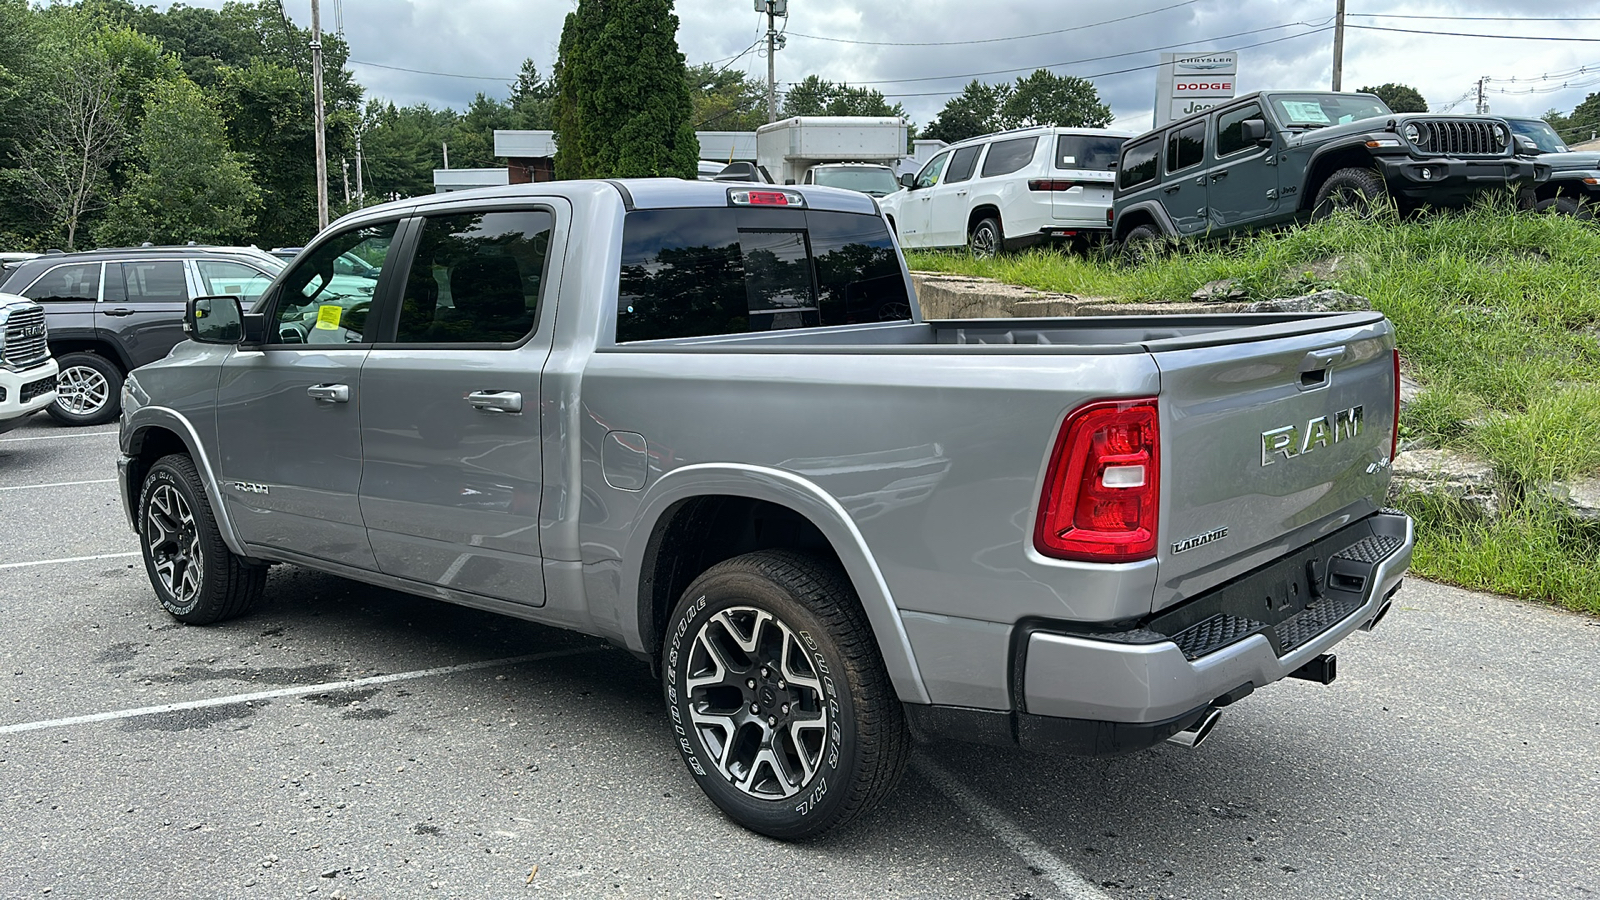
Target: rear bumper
(1446, 181)
(1102, 694)
(1057, 234)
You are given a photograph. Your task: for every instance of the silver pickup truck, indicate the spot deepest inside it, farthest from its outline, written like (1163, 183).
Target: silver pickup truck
(707, 422)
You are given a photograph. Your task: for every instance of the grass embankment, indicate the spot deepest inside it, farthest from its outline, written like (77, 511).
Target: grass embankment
(1498, 315)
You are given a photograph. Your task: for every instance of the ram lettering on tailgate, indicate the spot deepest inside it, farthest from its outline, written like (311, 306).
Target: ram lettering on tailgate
(1291, 441)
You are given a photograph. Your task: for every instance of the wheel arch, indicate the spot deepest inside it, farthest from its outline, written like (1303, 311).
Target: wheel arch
(1147, 213)
(1327, 161)
(985, 210)
(698, 516)
(103, 349)
(151, 432)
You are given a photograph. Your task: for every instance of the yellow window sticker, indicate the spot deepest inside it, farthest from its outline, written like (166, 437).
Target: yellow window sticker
(328, 317)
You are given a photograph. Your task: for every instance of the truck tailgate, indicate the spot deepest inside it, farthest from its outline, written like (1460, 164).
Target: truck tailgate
(1268, 444)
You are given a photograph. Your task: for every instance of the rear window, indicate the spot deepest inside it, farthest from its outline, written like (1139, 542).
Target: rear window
(962, 164)
(1085, 151)
(698, 272)
(1006, 157)
(1186, 147)
(1139, 164)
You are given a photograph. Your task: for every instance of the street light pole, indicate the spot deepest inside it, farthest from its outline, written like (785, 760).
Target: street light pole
(316, 101)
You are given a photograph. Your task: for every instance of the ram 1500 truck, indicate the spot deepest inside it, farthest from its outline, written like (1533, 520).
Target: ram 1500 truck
(707, 422)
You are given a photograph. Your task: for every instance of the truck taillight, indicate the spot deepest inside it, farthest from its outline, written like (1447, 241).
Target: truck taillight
(1103, 487)
(1394, 438)
(1050, 184)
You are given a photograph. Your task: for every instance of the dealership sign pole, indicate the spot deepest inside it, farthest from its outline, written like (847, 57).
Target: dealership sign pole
(1190, 82)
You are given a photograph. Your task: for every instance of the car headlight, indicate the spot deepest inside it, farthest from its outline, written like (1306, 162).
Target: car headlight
(1500, 135)
(1412, 133)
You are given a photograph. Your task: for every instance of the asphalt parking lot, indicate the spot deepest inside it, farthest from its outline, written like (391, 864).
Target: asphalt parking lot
(347, 741)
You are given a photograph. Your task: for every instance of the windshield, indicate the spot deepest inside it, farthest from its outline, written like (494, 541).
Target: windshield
(1543, 136)
(1322, 110)
(874, 180)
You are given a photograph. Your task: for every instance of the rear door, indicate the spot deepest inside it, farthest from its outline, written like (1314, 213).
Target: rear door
(1268, 443)
(453, 469)
(1184, 190)
(142, 307)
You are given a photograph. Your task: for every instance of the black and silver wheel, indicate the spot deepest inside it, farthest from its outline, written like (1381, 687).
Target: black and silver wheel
(986, 238)
(779, 700)
(88, 390)
(195, 576)
(1357, 190)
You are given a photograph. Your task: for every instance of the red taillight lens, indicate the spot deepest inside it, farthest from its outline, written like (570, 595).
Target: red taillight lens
(1394, 440)
(1103, 487)
(768, 198)
(1050, 184)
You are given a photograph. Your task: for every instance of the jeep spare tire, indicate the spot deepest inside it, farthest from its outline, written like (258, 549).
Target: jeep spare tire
(1358, 190)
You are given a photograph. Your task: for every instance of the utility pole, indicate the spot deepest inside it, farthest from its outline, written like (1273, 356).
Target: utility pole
(316, 100)
(774, 9)
(361, 187)
(446, 145)
(1338, 46)
(344, 167)
(1483, 105)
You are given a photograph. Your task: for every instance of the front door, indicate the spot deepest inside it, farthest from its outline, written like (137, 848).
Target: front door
(1243, 179)
(948, 203)
(288, 412)
(142, 306)
(915, 211)
(450, 405)
(1184, 188)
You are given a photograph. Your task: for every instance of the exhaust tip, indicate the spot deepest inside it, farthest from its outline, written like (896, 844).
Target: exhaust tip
(1382, 611)
(1195, 734)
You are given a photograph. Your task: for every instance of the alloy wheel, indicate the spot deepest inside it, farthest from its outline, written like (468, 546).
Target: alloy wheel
(757, 703)
(81, 390)
(174, 541)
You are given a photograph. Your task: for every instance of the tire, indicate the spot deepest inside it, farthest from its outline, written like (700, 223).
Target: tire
(790, 625)
(89, 390)
(1358, 190)
(195, 576)
(1566, 206)
(987, 238)
(1142, 244)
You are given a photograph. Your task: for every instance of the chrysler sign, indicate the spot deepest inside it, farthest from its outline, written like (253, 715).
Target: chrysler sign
(1189, 83)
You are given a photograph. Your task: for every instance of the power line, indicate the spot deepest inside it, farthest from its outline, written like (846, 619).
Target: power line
(1015, 37)
(500, 78)
(1591, 68)
(1498, 37)
(1479, 18)
(1073, 62)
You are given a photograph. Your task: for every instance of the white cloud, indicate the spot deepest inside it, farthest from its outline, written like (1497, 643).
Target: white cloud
(492, 37)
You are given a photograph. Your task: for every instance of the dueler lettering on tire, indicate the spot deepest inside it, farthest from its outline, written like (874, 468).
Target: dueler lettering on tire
(777, 696)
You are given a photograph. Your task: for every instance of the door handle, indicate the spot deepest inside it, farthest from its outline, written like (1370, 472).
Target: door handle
(1172, 190)
(1201, 181)
(1222, 174)
(961, 193)
(496, 401)
(119, 311)
(334, 393)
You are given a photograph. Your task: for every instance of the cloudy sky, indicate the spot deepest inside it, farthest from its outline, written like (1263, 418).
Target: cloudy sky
(921, 53)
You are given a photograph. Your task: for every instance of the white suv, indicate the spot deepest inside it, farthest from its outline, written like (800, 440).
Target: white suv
(1010, 190)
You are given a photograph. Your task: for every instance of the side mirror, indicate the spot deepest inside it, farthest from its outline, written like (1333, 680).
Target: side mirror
(1526, 146)
(908, 181)
(214, 320)
(1254, 131)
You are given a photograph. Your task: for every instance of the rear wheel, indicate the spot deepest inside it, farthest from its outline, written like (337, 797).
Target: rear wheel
(195, 576)
(779, 700)
(986, 238)
(88, 390)
(1142, 244)
(1358, 190)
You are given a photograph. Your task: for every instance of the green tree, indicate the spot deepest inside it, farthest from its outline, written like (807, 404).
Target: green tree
(623, 106)
(815, 96)
(975, 111)
(725, 99)
(1584, 121)
(191, 186)
(532, 99)
(1045, 98)
(1402, 98)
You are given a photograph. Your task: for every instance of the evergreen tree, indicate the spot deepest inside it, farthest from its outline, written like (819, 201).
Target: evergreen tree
(622, 102)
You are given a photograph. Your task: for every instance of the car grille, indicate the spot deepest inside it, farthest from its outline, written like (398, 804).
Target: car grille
(1459, 137)
(33, 389)
(23, 352)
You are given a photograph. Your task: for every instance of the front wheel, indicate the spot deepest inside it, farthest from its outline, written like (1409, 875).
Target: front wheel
(1357, 190)
(88, 390)
(1566, 206)
(779, 700)
(197, 579)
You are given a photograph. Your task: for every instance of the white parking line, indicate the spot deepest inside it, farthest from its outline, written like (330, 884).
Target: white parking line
(57, 437)
(292, 691)
(29, 487)
(1066, 879)
(51, 562)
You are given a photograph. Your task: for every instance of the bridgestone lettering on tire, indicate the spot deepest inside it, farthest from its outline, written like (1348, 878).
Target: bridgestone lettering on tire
(195, 576)
(779, 702)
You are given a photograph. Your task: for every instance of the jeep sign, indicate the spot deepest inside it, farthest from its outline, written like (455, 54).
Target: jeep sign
(1188, 83)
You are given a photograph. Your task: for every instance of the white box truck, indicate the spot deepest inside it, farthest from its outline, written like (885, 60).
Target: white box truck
(787, 149)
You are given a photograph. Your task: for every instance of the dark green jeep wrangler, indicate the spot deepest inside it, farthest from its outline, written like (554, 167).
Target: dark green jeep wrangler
(1276, 157)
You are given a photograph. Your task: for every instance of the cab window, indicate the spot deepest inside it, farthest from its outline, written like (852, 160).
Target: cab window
(476, 278)
(929, 176)
(1186, 147)
(962, 164)
(317, 304)
(1230, 130)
